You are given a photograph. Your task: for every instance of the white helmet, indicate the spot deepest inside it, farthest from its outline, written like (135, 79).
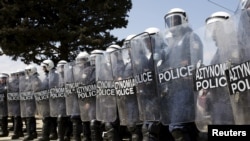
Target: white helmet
(175, 17)
(129, 37)
(127, 40)
(152, 30)
(113, 48)
(93, 55)
(245, 4)
(48, 64)
(4, 78)
(30, 70)
(96, 52)
(82, 57)
(60, 65)
(4, 75)
(217, 16)
(21, 72)
(18, 73)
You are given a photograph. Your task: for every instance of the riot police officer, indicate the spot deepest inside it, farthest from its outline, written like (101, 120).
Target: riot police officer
(72, 106)
(185, 50)
(82, 75)
(243, 34)
(95, 125)
(27, 87)
(106, 108)
(49, 123)
(62, 118)
(3, 102)
(216, 26)
(14, 104)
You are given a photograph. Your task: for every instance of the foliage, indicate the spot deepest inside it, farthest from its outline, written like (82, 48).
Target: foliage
(35, 30)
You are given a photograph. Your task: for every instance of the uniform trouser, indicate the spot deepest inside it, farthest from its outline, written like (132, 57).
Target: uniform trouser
(135, 131)
(62, 127)
(45, 129)
(165, 134)
(151, 130)
(184, 131)
(31, 128)
(4, 126)
(18, 127)
(95, 130)
(86, 131)
(111, 131)
(77, 127)
(53, 128)
(68, 131)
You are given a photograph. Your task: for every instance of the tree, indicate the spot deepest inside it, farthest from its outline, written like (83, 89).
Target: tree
(35, 30)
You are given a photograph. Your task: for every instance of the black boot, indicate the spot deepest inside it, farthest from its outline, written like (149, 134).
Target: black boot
(188, 132)
(111, 132)
(4, 125)
(18, 125)
(45, 130)
(61, 125)
(86, 131)
(95, 128)
(53, 129)
(31, 129)
(68, 129)
(135, 131)
(77, 128)
(150, 131)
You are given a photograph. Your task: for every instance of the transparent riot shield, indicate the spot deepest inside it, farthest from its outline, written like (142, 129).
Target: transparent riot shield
(3, 97)
(61, 110)
(13, 97)
(106, 108)
(145, 77)
(84, 75)
(56, 92)
(125, 87)
(220, 49)
(181, 49)
(42, 96)
(238, 73)
(72, 106)
(27, 100)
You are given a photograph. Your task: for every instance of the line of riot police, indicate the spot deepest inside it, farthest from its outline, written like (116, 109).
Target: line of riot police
(153, 88)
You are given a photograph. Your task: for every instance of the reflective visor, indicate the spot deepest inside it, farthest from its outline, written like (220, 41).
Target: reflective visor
(173, 20)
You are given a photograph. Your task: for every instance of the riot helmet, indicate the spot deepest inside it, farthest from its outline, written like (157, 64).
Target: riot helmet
(175, 17)
(93, 55)
(127, 40)
(217, 16)
(60, 65)
(82, 57)
(3, 78)
(112, 48)
(214, 23)
(47, 65)
(14, 74)
(21, 72)
(30, 70)
(153, 41)
(152, 30)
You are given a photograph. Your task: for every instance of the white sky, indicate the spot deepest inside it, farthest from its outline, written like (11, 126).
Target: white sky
(150, 13)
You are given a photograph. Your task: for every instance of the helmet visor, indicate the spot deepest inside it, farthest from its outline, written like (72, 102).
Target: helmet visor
(173, 20)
